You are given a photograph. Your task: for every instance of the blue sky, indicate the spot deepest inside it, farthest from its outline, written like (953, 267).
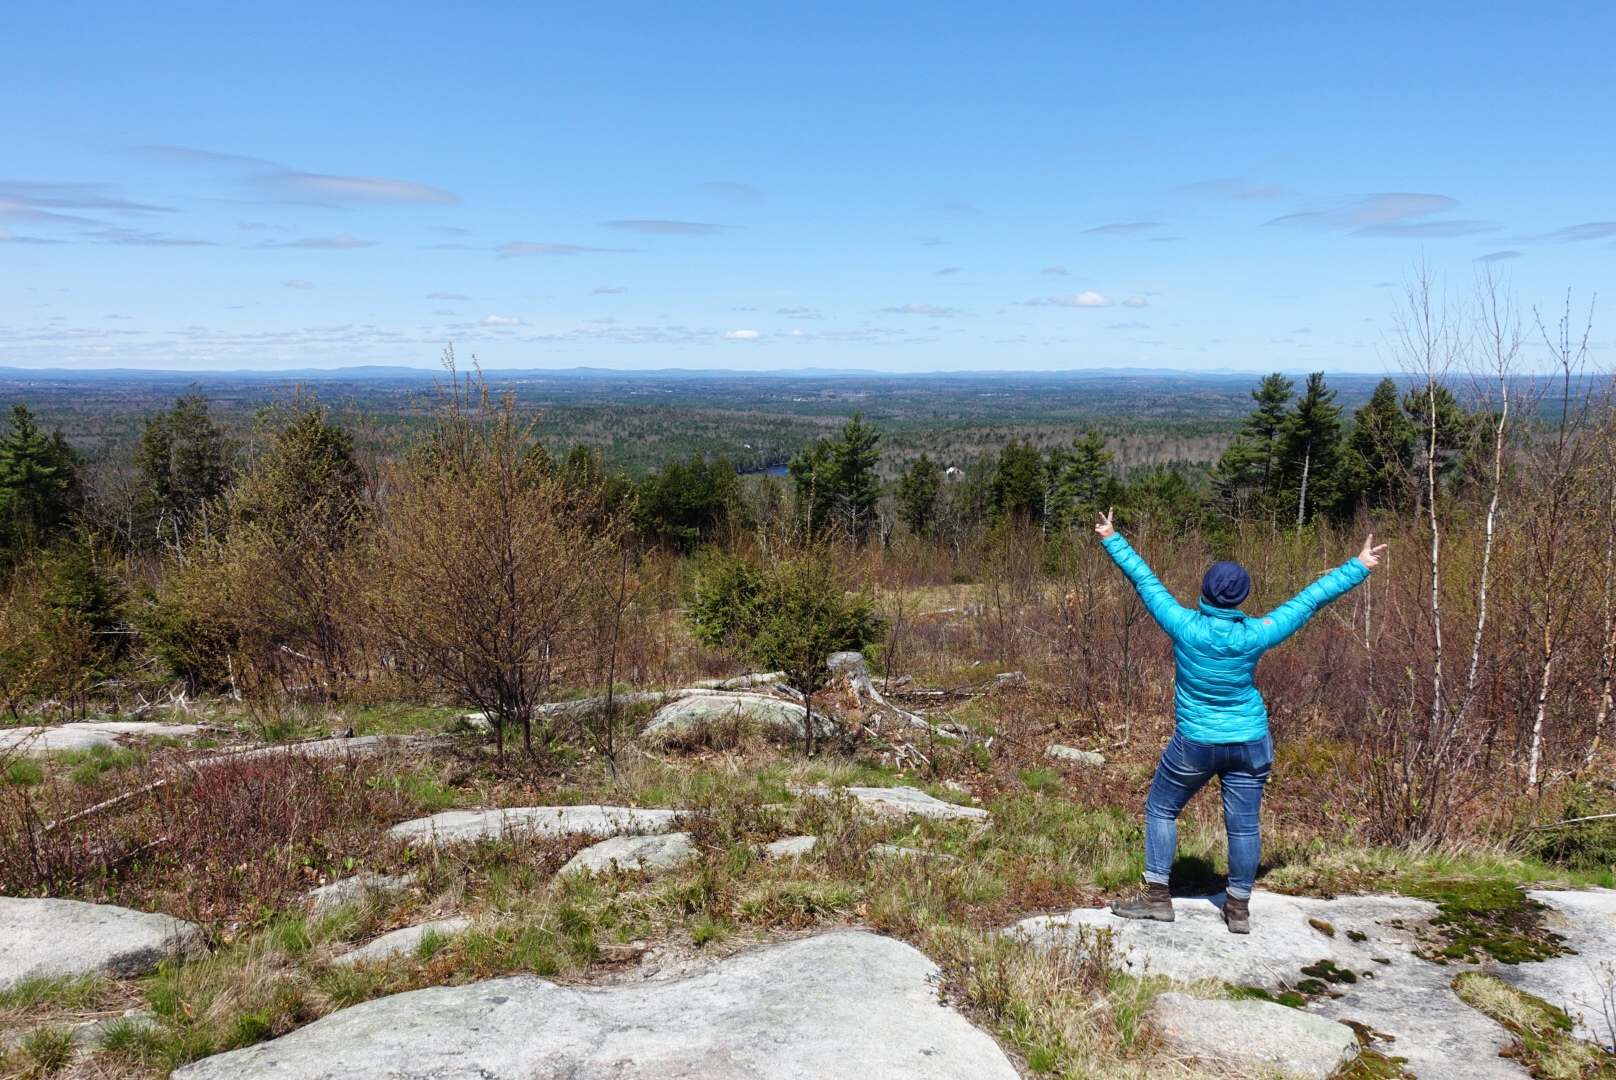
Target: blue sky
(875, 185)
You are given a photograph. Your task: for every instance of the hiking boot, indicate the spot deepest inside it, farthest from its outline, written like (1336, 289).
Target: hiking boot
(1237, 915)
(1155, 904)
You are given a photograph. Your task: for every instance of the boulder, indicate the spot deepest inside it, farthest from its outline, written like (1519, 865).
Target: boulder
(632, 853)
(1074, 755)
(353, 890)
(908, 801)
(897, 851)
(821, 1008)
(1252, 1036)
(400, 942)
(688, 715)
(38, 740)
(1010, 680)
(460, 826)
(790, 847)
(846, 663)
(1392, 991)
(741, 682)
(48, 937)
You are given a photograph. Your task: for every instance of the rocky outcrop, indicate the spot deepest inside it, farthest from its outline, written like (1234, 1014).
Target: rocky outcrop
(690, 714)
(1385, 987)
(1583, 982)
(48, 937)
(403, 942)
(460, 826)
(1255, 1037)
(822, 1008)
(903, 802)
(353, 890)
(38, 740)
(1074, 755)
(632, 853)
(790, 847)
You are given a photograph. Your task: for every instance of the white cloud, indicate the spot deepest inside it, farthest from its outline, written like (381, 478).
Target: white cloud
(610, 289)
(9, 237)
(1136, 301)
(1083, 299)
(298, 283)
(743, 335)
(1592, 230)
(447, 296)
(501, 320)
(143, 238)
(930, 310)
(1057, 269)
(1499, 256)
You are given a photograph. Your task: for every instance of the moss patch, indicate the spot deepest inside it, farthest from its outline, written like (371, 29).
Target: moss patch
(1544, 1045)
(1486, 920)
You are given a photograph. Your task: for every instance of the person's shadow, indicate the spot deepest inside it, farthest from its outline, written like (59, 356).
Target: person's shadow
(1195, 875)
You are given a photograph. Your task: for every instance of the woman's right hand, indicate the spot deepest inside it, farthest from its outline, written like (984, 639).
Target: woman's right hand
(1370, 555)
(1105, 528)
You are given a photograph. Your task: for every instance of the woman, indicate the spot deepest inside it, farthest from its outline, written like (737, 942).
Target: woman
(1222, 724)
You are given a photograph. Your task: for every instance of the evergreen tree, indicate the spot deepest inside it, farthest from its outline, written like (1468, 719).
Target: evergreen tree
(858, 487)
(1018, 488)
(185, 462)
(1309, 462)
(307, 483)
(686, 501)
(1247, 473)
(918, 489)
(1084, 471)
(836, 480)
(1455, 428)
(40, 485)
(1380, 451)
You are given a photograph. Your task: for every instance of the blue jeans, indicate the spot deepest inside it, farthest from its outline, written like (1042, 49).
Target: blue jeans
(1242, 769)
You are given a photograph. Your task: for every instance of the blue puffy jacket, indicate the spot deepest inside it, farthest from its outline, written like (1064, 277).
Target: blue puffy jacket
(1216, 649)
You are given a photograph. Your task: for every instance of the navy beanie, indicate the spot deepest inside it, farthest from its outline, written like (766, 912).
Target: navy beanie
(1225, 585)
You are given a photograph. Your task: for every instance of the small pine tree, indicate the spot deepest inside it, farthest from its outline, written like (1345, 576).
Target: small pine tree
(1380, 451)
(1310, 451)
(1018, 487)
(1247, 473)
(186, 462)
(918, 489)
(40, 485)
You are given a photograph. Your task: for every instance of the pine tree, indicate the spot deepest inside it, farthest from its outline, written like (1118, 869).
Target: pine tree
(918, 489)
(1247, 473)
(1309, 456)
(40, 485)
(1018, 488)
(186, 462)
(1380, 451)
(855, 456)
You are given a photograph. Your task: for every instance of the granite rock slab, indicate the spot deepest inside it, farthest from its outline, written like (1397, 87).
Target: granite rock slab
(846, 1004)
(1251, 1036)
(50, 937)
(461, 826)
(632, 853)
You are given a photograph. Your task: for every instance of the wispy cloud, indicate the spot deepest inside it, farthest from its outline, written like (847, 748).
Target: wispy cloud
(501, 320)
(1136, 302)
(447, 296)
(1122, 228)
(1499, 256)
(948, 270)
(294, 185)
(743, 335)
(728, 190)
(298, 283)
(451, 230)
(141, 238)
(1573, 234)
(930, 310)
(610, 290)
(372, 190)
(331, 243)
(1390, 214)
(1083, 299)
(19, 199)
(1057, 269)
(1127, 326)
(9, 237)
(659, 227)
(519, 248)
